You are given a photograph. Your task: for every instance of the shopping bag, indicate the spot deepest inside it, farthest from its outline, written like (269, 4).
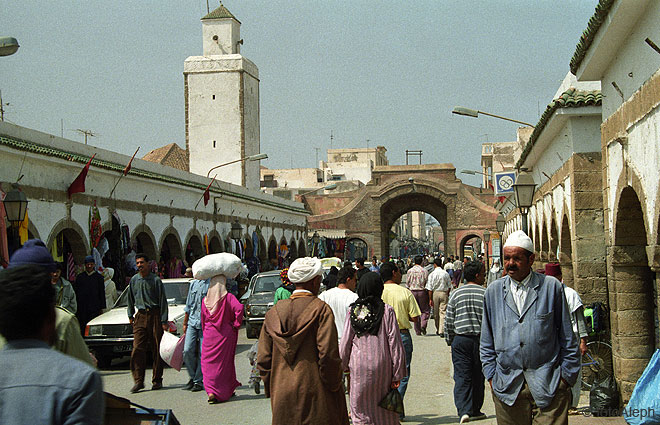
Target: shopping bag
(393, 401)
(171, 350)
(604, 397)
(644, 405)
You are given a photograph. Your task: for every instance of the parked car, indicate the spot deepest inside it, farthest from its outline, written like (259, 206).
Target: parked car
(110, 335)
(259, 299)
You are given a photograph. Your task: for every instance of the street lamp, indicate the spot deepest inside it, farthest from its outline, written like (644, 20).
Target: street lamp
(466, 112)
(256, 157)
(331, 186)
(8, 46)
(236, 230)
(500, 223)
(15, 204)
(486, 239)
(524, 192)
(472, 172)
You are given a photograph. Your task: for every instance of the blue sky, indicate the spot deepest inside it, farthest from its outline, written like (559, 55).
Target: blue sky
(390, 72)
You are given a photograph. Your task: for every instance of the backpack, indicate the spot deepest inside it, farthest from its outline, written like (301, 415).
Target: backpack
(594, 316)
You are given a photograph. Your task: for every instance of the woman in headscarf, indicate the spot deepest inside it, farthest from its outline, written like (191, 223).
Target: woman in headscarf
(372, 351)
(287, 288)
(330, 280)
(110, 288)
(222, 315)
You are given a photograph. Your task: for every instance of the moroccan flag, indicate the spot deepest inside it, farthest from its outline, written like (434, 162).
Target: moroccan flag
(78, 185)
(207, 193)
(128, 167)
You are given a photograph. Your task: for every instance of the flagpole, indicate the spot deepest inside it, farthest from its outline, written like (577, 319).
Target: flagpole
(128, 167)
(207, 188)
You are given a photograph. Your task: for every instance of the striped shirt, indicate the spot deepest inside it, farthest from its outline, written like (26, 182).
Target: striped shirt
(464, 311)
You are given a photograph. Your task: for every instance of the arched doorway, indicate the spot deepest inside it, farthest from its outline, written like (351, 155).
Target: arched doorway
(408, 199)
(470, 246)
(215, 245)
(413, 233)
(293, 251)
(554, 242)
(302, 252)
(194, 249)
(113, 256)
(69, 248)
(356, 248)
(171, 256)
(145, 244)
(272, 253)
(263, 253)
(631, 301)
(249, 248)
(566, 254)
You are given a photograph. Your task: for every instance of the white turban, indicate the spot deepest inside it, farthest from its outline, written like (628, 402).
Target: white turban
(211, 265)
(521, 240)
(305, 269)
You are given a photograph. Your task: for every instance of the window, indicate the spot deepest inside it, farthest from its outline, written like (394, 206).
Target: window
(213, 97)
(214, 144)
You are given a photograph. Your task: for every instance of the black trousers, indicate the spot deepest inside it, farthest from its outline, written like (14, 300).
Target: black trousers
(468, 377)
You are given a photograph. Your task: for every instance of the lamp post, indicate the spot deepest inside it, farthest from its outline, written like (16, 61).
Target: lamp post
(524, 191)
(486, 239)
(236, 230)
(467, 112)
(15, 204)
(256, 157)
(500, 223)
(331, 186)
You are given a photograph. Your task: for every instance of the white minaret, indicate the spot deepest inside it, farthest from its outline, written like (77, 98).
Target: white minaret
(222, 103)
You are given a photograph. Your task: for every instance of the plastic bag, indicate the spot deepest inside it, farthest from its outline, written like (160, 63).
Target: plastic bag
(171, 350)
(604, 398)
(644, 405)
(393, 401)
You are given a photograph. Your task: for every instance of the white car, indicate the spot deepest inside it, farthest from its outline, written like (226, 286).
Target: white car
(110, 335)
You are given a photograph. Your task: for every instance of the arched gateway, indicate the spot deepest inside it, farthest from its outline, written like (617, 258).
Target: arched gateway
(369, 212)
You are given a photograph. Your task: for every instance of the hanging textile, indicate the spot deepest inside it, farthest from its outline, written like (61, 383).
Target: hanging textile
(95, 229)
(98, 262)
(57, 248)
(255, 243)
(125, 237)
(23, 229)
(70, 268)
(206, 243)
(4, 242)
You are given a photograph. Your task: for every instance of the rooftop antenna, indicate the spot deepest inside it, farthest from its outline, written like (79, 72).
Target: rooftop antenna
(331, 139)
(86, 133)
(368, 140)
(207, 7)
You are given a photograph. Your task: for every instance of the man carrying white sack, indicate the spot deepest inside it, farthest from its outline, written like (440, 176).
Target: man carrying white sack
(221, 316)
(528, 348)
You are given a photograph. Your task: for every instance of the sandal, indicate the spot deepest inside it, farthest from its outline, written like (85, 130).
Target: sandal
(212, 399)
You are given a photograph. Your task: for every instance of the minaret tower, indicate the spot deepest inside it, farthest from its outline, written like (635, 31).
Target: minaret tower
(222, 103)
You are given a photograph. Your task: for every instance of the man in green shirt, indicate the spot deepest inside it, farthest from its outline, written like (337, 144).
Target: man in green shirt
(146, 294)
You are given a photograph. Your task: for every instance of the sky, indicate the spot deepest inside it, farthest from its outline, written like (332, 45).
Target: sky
(371, 73)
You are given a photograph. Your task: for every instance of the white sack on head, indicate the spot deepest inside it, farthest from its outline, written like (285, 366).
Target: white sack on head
(521, 240)
(305, 269)
(211, 265)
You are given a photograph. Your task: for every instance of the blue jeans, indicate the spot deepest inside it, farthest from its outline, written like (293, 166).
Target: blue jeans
(192, 354)
(408, 348)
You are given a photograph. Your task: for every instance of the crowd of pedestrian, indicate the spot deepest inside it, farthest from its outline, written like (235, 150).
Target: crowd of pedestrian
(519, 330)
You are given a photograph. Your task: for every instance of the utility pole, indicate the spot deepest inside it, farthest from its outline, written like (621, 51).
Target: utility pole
(2, 108)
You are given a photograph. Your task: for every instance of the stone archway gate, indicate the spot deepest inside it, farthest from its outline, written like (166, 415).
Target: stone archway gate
(370, 211)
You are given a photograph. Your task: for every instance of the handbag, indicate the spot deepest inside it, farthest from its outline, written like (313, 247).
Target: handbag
(171, 350)
(393, 401)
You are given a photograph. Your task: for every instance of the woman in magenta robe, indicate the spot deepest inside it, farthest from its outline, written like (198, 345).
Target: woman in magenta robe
(222, 315)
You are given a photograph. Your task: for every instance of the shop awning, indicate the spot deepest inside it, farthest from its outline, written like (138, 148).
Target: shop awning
(330, 233)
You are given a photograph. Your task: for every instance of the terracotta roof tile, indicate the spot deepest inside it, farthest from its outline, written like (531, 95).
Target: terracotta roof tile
(571, 98)
(602, 9)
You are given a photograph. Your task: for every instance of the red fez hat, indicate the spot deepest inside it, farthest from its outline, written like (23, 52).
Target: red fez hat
(553, 269)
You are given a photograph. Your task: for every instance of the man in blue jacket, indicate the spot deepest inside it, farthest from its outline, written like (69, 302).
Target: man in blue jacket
(528, 350)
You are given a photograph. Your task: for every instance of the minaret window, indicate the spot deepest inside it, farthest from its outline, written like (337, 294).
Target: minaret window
(214, 144)
(213, 97)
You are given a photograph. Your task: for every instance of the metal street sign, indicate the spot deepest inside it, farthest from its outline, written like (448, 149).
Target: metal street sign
(504, 182)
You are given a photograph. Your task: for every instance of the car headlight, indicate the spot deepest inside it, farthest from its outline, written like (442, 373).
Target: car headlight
(257, 310)
(95, 330)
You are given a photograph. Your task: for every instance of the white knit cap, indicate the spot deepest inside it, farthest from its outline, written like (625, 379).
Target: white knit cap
(521, 240)
(305, 269)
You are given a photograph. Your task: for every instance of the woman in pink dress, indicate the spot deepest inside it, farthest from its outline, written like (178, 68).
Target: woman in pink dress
(222, 315)
(371, 349)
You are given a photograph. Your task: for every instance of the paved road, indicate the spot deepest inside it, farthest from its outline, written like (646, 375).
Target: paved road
(429, 399)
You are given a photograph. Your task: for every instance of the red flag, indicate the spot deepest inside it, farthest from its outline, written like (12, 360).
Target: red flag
(128, 167)
(78, 185)
(501, 199)
(207, 193)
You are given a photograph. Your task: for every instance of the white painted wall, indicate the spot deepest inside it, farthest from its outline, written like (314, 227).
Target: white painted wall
(228, 32)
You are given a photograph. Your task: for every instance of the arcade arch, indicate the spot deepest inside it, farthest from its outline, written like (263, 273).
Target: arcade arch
(194, 248)
(293, 250)
(566, 253)
(72, 239)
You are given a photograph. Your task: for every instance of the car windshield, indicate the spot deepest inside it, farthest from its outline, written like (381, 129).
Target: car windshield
(176, 293)
(267, 284)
